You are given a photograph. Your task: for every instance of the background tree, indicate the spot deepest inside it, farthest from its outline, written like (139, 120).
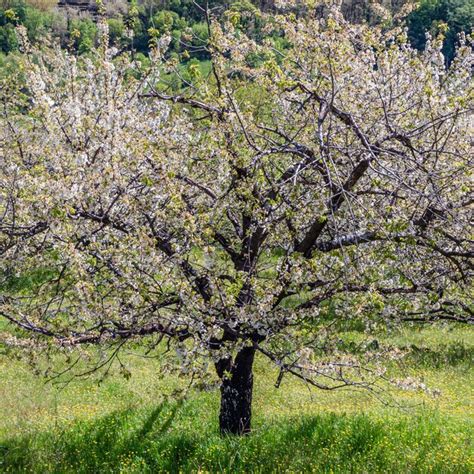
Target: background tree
(255, 212)
(450, 17)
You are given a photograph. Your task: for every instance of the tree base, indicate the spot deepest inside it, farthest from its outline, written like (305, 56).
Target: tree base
(236, 394)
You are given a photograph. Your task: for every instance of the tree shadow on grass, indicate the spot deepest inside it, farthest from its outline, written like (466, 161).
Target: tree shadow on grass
(455, 354)
(98, 446)
(169, 439)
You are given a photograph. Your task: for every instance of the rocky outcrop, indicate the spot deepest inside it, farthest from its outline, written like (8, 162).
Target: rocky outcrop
(80, 5)
(357, 11)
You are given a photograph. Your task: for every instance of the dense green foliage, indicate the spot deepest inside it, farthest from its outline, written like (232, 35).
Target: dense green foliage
(451, 16)
(180, 19)
(38, 23)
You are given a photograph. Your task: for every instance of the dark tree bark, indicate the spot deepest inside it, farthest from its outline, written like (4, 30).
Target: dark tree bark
(236, 392)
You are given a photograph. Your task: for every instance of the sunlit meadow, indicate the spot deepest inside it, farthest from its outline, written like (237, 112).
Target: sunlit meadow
(137, 424)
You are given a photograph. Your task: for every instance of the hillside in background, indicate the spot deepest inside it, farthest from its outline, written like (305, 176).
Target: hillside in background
(134, 24)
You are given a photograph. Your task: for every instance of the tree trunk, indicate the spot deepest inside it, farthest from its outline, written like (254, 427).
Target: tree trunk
(236, 392)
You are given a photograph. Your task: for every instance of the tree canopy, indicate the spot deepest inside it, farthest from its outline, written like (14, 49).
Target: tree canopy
(255, 211)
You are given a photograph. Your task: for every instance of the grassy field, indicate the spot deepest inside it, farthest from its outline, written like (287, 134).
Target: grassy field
(136, 425)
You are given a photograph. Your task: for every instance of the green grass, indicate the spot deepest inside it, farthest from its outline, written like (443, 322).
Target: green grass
(174, 438)
(137, 425)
